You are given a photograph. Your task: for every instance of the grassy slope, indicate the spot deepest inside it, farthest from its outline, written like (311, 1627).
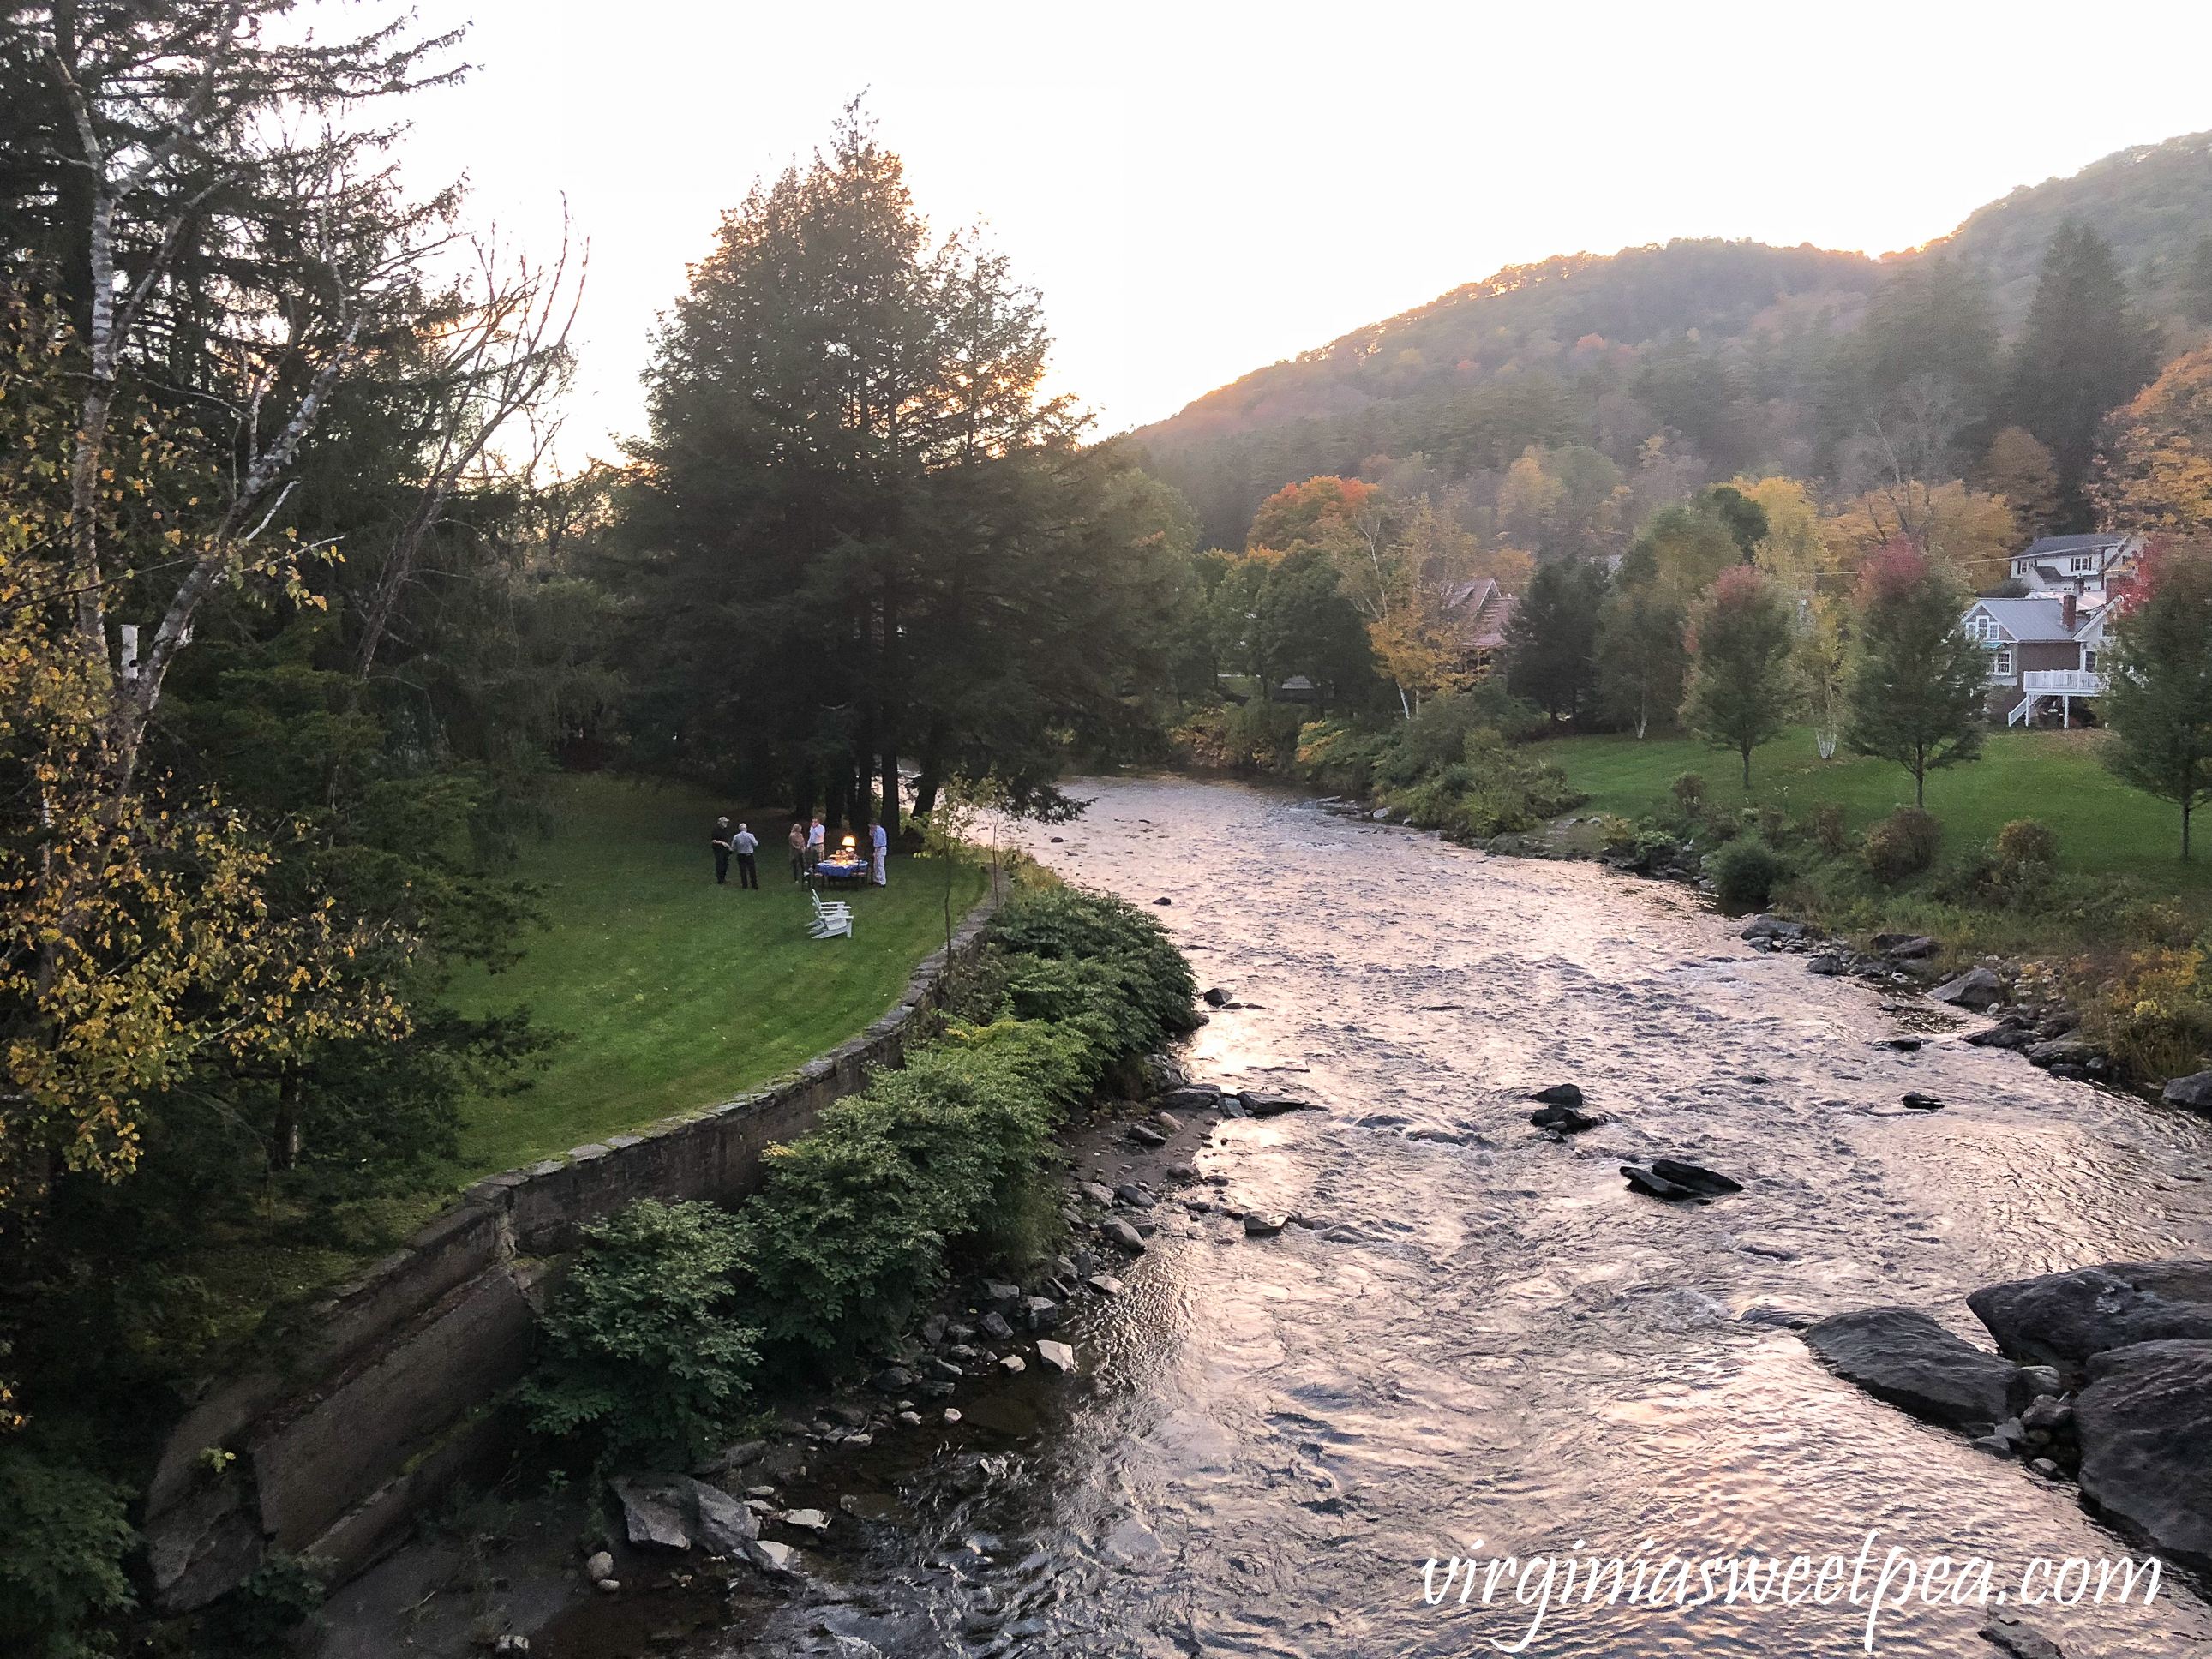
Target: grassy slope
(676, 993)
(2104, 827)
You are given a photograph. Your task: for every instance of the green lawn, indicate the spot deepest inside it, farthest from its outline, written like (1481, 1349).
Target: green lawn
(674, 993)
(2103, 826)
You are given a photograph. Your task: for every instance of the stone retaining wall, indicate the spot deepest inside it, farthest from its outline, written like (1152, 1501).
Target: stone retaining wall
(390, 1401)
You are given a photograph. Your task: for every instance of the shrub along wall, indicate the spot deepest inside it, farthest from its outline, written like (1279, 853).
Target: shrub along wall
(650, 1345)
(388, 1401)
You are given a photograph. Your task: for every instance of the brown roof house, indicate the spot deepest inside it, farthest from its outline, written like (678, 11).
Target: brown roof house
(2043, 654)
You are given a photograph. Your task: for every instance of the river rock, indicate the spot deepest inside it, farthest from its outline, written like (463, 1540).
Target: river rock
(1653, 1184)
(723, 1526)
(1001, 1297)
(892, 1379)
(1772, 927)
(2015, 1639)
(1259, 1225)
(1918, 1102)
(1121, 1235)
(1275, 1105)
(2063, 1319)
(1167, 1122)
(813, 1520)
(1565, 1119)
(994, 1326)
(2054, 1052)
(1695, 1176)
(1558, 1094)
(2194, 1092)
(1904, 947)
(1193, 1097)
(598, 1565)
(1059, 1356)
(1215, 997)
(1828, 964)
(770, 1557)
(2003, 1035)
(1040, 1313)
(1136, 1197)
(2144, 1425)
(657, 1509)
(1104, 1284)
(1904, 1356)
(1013, 1363)
(1977, 988)
(1144, 1135)
(943, 1371)
(1095, 1192)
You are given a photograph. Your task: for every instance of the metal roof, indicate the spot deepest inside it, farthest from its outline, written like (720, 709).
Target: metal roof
(2030, 621)
(2043, 547)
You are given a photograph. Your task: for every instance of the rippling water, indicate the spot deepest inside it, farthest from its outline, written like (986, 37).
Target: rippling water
(1515, 1355)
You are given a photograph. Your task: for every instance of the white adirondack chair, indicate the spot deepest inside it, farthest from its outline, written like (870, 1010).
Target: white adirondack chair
(831, 920)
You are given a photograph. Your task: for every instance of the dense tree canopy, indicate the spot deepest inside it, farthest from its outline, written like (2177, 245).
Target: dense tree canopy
(856, 532)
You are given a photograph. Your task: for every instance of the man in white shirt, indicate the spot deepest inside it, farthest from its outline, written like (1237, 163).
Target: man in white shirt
(882, 843)
(818, 841)
(744, 844)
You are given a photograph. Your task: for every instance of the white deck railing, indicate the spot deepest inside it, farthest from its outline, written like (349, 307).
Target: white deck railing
(2050, 682)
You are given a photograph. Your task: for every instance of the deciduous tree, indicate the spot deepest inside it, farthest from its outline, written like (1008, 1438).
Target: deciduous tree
(1740, 690)
(1917, 692)
(2158, 694)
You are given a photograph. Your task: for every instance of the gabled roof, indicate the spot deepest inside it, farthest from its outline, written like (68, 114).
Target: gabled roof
(1482, 608)
(2030, 621)
(2049, 547)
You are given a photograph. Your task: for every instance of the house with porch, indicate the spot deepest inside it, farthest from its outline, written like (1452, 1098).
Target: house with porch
(2043, 655)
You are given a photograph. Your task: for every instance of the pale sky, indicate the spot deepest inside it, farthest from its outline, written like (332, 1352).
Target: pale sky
(1200, 189)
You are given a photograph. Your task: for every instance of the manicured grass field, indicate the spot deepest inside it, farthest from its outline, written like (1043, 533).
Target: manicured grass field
(675, 993)
(2104, 827)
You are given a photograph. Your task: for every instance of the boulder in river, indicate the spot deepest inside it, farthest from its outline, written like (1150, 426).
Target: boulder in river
(2194, 1092)
(1275, 1105)
(1558, 1094)
(1215, 997)
(1565, 1119)
(1259, 1223)
(1120, 1234)
(1977, 988)
(2144, 1425)
(1904, 1356)
(1772, 927)
(1651, 1183)
(1904, 947)
(677, 1512)
(1829, 965)
(1144, 1135)
(2003, 1035)
(1921, 1102)
(1057, 1355)
(2065, 1319)
(1695, 1176)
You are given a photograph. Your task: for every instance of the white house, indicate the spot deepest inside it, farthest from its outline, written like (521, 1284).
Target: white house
(2090, 568)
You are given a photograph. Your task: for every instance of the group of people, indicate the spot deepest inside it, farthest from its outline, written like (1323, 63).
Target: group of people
(810, 844)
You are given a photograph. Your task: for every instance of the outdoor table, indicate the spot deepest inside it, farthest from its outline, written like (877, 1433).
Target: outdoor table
(854, 870)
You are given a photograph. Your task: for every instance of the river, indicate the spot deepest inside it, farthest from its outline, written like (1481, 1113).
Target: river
(1503, 1352)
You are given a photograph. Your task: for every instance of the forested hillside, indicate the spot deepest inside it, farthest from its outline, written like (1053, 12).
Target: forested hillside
(1734, 356)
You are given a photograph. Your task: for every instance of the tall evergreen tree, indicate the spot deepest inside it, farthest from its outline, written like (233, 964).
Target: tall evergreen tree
(2082, 353)
(1551, 640)
(856, 529)
(1916, 694)
(2158, 694)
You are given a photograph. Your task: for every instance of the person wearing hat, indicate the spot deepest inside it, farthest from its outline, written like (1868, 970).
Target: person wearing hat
(744, 844)
(719, 841)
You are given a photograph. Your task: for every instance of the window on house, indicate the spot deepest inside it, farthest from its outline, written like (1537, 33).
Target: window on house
(2081, 561)
(2090, 661)
(2000, 665)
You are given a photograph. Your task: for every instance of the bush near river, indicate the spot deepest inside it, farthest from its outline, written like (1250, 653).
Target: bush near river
(671, 1314)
